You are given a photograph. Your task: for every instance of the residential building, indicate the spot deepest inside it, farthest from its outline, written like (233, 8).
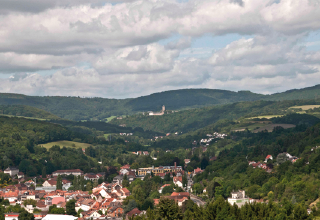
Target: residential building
(75, 172)
(11, 216)
(238, 198)
(12, 171)
(177, 180)
(157, 170)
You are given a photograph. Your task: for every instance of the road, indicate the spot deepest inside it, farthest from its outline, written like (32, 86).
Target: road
(197, 200)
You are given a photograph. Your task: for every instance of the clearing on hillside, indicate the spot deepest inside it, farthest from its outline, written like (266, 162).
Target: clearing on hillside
(306, 107)
(266, 116)
(270, 127)
(66, 144)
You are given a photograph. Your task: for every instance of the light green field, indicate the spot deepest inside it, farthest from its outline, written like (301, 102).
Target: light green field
(266, 116)
(110, 118)
(306, 107)
(106, 136)
(66, 144)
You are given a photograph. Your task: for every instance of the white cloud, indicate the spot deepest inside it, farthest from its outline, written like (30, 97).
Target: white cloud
(119, 43)
(138, 59)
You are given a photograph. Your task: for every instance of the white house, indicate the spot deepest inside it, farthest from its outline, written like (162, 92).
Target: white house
(269, 157)
(60, 217)
(11, 216)
(177, 180)
(238, 198)
(12, 171)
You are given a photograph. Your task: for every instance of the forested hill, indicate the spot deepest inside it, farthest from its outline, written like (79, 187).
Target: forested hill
(305, 93)
(26, 111)
(189, 98)
(76, 108)
(193, 119)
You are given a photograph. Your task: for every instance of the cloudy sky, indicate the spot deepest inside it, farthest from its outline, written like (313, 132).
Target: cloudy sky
(119, 49)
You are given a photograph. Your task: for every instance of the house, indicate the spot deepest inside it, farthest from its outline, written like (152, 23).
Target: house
(146, 153)
(50, 183)
(238, 198)
(11, 216)
(133, 212)
(20, 175)
(12, 171)
(197, 171)
(177, 180)
(116, 211)
(269, 157)
(179, 197)
(91, 176)
(60, 217)
(75, 172)
(127, 166)
(186, 161)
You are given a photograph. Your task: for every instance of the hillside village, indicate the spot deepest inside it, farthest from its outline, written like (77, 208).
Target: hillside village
(104, 200)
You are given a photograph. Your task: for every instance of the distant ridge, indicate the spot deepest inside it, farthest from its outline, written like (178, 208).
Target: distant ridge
(76, 108)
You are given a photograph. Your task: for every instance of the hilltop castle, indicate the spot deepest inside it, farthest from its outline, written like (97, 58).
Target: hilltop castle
(159, 113)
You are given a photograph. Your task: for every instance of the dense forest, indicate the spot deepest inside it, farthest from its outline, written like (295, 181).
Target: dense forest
(221, 210)
(76, 108)
(26, 111)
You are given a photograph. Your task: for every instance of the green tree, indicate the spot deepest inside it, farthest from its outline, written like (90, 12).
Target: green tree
(89, 186)
(167, 190)
(44, 172)
(70, 208)
(59, 182)
(197, 188)
(75, 183)
(184, 180)
(169, 210)
(30, 202)
(26, 216)
(125, 181)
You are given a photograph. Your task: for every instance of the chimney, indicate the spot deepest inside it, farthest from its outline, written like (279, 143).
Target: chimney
(175, 165)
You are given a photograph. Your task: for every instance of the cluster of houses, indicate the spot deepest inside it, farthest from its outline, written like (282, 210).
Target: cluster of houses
(105, 201)
(126, 134)
(285, 157)
(146, 153)
(213, 136)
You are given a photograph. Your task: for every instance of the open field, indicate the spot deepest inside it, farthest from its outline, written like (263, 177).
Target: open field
(271, 126)
(266, 116)
(306, 107)
(110, 118)
(66, 144)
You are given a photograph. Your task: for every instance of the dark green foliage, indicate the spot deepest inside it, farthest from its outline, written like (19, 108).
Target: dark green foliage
(26, 216)
(26, 111)
(70, 208)
(54, 210)
(167, 190)
(59, 182)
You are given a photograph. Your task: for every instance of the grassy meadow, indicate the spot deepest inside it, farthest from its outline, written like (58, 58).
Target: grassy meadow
(65, 144)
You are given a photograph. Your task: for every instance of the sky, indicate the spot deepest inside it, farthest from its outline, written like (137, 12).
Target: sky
(126, 49)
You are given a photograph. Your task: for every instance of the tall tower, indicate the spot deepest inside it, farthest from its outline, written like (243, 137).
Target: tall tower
(163, 108)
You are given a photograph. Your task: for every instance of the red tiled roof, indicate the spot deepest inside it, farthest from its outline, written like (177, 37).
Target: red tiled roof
(177, 178)
(134, 211)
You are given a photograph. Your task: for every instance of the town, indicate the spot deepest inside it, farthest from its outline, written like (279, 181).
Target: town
(93, 198)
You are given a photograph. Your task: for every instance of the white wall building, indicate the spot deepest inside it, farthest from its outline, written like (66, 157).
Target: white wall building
(60, 217)
(12, 171)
